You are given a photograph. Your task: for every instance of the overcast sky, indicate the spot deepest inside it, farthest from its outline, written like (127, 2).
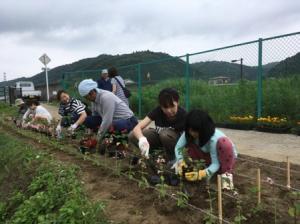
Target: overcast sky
(69, 30)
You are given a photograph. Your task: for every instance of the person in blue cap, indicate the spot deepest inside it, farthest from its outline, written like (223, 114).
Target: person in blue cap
(113, 110)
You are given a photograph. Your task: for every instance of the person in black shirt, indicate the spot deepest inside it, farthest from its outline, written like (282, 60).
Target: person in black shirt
(169, 120)
(104, 82)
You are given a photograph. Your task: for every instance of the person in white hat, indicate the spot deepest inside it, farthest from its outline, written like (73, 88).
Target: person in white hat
(104, 82)
(113, 110)
(21, 105)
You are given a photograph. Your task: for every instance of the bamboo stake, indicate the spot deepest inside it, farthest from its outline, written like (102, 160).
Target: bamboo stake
(220, 199)
(288, 171)
(258, 187)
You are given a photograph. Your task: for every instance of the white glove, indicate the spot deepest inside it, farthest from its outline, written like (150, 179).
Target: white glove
(72, 127)
(144, 146)
(58, 128)
(178, 166)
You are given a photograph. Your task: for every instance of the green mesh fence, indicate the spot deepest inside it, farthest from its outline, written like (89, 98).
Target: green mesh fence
(224, 81)
(158, 75)
(258, 78)
(281, 84)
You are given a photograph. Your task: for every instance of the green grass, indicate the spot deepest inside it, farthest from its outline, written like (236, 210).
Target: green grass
(6, 110)
(37, 189)
(281, 97)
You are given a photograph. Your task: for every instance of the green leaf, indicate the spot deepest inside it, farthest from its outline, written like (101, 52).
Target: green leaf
(292, 212)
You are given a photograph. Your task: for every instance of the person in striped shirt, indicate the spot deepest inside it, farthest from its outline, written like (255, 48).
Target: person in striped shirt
(78, 112)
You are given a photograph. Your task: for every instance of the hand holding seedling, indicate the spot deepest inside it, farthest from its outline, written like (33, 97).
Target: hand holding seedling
(195, 175)
(178, 166)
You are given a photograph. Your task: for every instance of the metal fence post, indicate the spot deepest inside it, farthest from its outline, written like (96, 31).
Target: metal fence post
(139, 70)
(259, 78)
(62, 82)
(187, 82)
(4, 93)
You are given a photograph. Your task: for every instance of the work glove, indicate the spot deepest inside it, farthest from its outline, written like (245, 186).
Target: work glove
(178, 166)
(58, 129)
(144, 146)
(195, 175)
(72, 127)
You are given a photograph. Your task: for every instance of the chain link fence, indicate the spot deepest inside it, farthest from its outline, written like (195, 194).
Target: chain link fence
(258, 78)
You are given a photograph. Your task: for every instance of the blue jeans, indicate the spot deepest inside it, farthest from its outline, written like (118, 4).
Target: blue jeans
(125, 124)
(92, 122)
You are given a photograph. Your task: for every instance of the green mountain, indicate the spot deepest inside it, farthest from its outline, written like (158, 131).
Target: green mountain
(287, 67)
(233, 70)
(221, 68)
(170, 67)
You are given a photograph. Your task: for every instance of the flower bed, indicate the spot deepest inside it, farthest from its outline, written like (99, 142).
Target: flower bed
(273, 125)
(263, 124)
(238, 122)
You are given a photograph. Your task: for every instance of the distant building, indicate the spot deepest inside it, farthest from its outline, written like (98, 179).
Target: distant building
(219, 80)
(53, 88)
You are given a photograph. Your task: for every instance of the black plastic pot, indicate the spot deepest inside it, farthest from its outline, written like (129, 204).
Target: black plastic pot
(102, 149)
(277, 130)
(296, 131)
(82, 149)
(237, 126)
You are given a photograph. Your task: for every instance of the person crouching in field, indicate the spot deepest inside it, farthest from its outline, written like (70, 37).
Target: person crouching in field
(204, 142)
(168, 118)
(112, 109)
(77, 111)
(35, 113)
(22, 108)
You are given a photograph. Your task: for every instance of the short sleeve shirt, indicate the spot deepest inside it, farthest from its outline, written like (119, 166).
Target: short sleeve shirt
(162, 121)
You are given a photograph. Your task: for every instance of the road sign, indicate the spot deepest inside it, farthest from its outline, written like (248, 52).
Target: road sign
(45, 59)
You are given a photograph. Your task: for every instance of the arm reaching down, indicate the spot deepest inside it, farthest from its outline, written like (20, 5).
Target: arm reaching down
(179, 145)
(138, 130)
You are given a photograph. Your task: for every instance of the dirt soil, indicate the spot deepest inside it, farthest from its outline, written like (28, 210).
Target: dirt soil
(128, 203)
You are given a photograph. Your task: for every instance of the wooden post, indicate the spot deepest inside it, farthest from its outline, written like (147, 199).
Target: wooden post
(220, 199)
(258, 187)
(288, 172)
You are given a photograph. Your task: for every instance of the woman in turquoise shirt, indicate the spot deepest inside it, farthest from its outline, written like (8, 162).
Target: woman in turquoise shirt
(204, 141)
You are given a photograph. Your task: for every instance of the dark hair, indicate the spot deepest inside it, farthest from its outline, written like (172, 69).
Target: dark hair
(199, 121)
(33, 102)
(112, 72)
(59, 94)
(167, 96)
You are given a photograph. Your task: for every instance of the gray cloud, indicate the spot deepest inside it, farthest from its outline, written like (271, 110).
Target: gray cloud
(73, 29)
